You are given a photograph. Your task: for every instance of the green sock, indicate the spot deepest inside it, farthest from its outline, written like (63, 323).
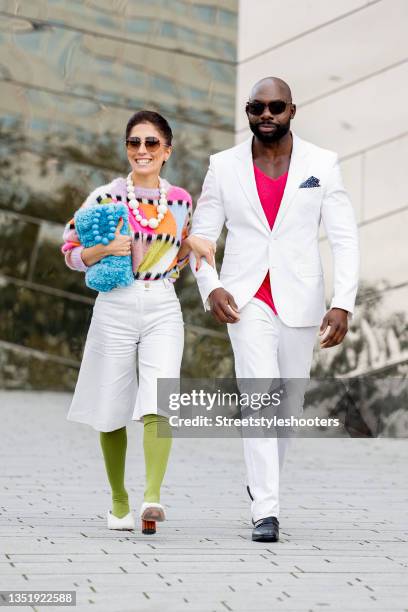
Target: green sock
(156, 444)
(114, 444)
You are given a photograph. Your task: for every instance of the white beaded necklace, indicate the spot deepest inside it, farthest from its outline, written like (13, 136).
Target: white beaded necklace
(161, 207)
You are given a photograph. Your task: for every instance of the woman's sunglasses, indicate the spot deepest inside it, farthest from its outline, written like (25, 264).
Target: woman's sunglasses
(151, 143)
(276, 107)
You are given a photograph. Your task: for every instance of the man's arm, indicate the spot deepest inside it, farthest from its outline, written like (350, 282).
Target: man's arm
(340, 224)
(208, 221)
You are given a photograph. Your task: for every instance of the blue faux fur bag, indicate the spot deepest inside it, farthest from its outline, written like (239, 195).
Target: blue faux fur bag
(97, 224)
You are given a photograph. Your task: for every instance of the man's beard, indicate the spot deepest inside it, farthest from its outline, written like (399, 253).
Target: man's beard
(267, 137)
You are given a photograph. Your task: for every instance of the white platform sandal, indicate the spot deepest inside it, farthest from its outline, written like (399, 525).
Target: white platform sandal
(127, 523)
(150, 512)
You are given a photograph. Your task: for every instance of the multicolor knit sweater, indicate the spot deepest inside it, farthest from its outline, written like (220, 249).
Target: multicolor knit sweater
(154, 251)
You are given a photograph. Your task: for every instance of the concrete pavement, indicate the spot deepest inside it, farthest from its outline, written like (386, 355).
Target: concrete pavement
(344, 532)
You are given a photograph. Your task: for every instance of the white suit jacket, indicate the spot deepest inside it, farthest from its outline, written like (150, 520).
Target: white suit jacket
(290, 251)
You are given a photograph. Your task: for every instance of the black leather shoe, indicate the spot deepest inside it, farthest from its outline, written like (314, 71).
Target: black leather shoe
(266, 530)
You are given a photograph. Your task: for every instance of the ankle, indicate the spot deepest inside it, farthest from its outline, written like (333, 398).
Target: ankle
(120, 506)
(151, 497)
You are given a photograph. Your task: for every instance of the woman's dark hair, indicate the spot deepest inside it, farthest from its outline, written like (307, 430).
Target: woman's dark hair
(146, 116)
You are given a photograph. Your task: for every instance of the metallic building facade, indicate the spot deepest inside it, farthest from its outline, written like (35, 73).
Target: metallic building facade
(71, 75)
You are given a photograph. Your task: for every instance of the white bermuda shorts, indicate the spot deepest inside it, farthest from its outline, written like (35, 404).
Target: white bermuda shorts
(140, 325)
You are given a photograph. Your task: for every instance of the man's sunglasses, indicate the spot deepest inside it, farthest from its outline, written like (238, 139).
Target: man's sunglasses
(276, 107)
(151, 143)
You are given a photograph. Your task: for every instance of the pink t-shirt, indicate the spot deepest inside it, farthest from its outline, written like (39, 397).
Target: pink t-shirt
(270, 193)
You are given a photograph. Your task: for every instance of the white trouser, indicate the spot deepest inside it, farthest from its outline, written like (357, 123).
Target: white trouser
(264, 347)
(141, 321)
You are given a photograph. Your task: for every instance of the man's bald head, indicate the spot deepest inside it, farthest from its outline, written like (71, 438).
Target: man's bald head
(270, 110)
(271, 88)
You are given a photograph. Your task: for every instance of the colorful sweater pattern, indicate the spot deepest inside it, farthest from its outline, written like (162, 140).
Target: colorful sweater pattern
(154, 251)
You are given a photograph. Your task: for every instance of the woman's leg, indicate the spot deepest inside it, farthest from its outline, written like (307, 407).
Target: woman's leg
(156, 444)
(114, 444)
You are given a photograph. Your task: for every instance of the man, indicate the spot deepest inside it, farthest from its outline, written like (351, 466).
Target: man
(272, 191)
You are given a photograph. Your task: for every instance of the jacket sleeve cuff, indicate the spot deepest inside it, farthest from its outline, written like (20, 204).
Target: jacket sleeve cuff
(206, 277)
(206, 301)
(344, 306)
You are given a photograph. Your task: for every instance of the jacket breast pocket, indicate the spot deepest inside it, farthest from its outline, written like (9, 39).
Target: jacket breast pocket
(310, 195)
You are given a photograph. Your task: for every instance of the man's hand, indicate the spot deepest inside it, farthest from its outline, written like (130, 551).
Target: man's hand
(223, 306)
(333, 328)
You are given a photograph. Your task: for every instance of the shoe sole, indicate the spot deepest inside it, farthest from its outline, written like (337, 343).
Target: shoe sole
(265, 539)
(122, 528)
(128, 527)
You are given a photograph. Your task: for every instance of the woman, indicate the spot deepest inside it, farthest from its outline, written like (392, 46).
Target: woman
(143, 318)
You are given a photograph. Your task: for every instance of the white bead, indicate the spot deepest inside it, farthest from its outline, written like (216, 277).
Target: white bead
(162, 208)
(138, 217)
(134, 203)
(162, 201)
(160, 216)
(153, 223)
(144, 222)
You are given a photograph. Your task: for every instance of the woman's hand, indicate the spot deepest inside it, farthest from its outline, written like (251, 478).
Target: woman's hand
(121, 244)
(200, 247)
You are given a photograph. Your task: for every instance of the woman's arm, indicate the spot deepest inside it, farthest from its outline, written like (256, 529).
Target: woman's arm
(73, 259)
(200, 247)
(91, 255)
(80, 258)
(72, 248)
(120, 246)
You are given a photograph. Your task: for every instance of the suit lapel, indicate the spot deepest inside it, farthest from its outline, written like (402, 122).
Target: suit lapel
(246, 176)
(297, 173)
(245, 171)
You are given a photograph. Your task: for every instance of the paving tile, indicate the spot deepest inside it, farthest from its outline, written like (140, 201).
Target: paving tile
(343, 521)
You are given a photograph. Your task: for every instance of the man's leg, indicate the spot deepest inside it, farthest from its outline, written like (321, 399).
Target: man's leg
(254, 342)
(295, 350)
(295, 354)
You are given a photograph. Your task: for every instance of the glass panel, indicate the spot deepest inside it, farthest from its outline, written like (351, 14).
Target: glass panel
(25, 320)
(115, 83)
(135, 22)
(23, 370)
(61, 135)
(51, 270)
(227, 18)
(18, 238)
(204, 13)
